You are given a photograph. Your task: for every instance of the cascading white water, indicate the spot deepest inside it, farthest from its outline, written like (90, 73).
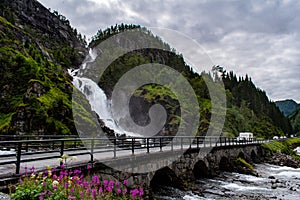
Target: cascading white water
(96, 97)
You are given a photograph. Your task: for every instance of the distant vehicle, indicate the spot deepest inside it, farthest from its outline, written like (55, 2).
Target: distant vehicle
(275, 138)
(245, 136)
(292, 136)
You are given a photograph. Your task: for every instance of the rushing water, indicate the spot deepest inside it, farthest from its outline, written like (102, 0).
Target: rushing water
(96, 96)
(274, 182)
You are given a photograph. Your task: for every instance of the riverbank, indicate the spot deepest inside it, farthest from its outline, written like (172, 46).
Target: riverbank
(274, 175)
(282, 153)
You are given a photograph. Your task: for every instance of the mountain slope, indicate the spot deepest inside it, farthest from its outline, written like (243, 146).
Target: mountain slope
(287, 106)
(36, 47)
(294, 117)
(36, 91)
(248, 107)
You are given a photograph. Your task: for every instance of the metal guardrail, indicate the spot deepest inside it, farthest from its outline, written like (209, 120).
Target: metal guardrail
(78, 146)
(34, 137)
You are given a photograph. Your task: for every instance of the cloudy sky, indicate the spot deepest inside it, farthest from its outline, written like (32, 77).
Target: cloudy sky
(260, 38)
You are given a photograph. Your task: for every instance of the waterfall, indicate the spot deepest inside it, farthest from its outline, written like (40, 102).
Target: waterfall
(96, 97)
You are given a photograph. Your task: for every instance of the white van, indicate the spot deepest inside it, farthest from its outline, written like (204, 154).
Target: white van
(248, 136)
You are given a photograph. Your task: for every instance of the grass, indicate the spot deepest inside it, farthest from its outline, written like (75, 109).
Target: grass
(284, 146)
(244, 163)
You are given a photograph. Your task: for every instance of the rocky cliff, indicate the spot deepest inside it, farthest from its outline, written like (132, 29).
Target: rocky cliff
(49, 30)
(36, 48)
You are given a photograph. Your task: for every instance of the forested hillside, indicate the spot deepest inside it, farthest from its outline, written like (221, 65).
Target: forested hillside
(248, 107)
(294, 117)
(37, 46)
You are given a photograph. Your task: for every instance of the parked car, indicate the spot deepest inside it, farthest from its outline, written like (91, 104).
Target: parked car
(275, 138)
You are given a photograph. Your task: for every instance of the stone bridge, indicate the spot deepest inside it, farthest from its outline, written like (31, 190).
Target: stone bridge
(192, 164)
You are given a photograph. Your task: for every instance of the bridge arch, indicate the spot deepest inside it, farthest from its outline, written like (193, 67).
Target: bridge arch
(200, 170)
(165, 177)
(254, 157)
(225, 164)
(241, 155)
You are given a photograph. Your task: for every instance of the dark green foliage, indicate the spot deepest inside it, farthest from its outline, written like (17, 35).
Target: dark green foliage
(284, 146)
(294, 117)
(46, 96)
(104, 34)
(35, 90)
(248, 107)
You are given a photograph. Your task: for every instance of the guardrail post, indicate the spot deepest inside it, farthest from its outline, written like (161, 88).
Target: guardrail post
(160, 144)
(132, 146)
(172, 145)
(62, 148)
(210, 142)
(225, 142)
(147, 145)
(115, 148)
(26, 149)
(197, 142)
(92, 149)
(181, 143)
(18, 163)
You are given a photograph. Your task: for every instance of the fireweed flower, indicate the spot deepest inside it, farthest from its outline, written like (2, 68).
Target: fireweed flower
(119, 191)
(89, 166)
(66, 185)
(73, 185)
(105, 183)
(125, 191)
(54, 187)
(94, 192)
(141, 192)
(134, 192)
(111, 183)
(32, 168)
(109, 189)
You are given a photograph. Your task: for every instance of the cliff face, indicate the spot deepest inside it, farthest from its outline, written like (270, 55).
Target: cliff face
(48, 30)
(36, 48)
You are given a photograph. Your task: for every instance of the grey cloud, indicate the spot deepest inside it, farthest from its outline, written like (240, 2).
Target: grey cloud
(260, 38)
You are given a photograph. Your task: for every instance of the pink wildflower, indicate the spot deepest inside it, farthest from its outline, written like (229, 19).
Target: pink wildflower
(119, 191)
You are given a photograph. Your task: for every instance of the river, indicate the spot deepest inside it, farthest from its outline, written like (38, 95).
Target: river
(273, 182)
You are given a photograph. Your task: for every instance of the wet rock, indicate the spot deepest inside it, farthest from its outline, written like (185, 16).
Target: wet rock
(274, 186)
(284, 160)
(271, 177)
(215, 192)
